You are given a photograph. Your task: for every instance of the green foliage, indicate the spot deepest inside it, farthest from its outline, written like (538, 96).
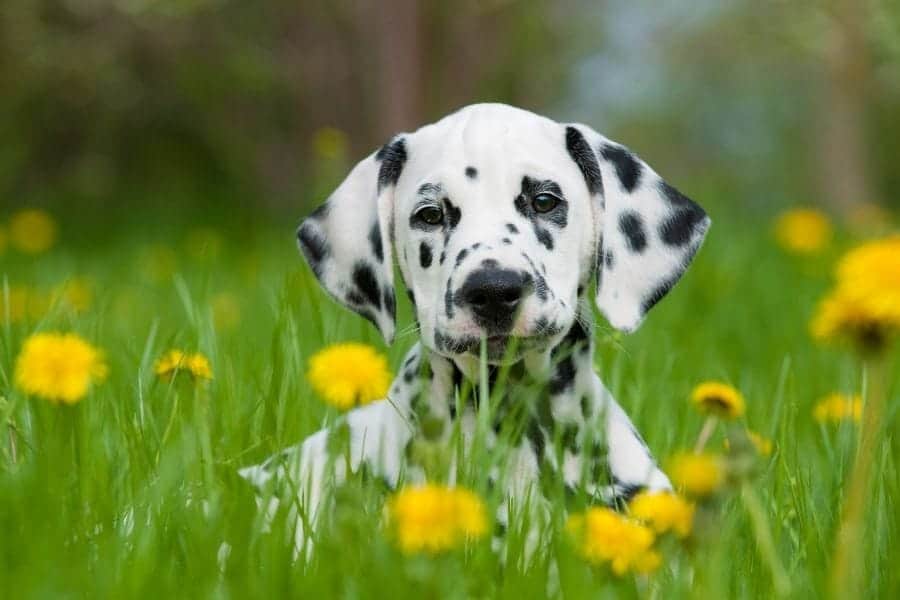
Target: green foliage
(133, 491)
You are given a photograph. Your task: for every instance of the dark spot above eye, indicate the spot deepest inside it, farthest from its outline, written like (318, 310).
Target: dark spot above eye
(628, 169)
(471, 172)
(632, 227)
(425, 256)
(512, 228)
(430, 189)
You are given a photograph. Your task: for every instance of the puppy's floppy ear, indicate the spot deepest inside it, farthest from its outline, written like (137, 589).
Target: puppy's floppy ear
(347, 240)
(647, 231)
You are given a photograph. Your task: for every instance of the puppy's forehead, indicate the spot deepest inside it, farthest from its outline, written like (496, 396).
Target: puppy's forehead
(492, 144)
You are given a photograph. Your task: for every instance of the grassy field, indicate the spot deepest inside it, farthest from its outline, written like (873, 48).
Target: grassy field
(132, 491)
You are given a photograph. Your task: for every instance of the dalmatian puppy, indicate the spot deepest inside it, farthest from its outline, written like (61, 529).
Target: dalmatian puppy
(499, 220)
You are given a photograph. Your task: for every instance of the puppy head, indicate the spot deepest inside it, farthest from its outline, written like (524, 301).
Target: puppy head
(499, 218)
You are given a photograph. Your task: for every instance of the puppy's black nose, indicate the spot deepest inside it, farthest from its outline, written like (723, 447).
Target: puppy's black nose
(493, 295)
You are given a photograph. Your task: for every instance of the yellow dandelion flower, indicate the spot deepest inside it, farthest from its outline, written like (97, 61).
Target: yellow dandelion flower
(803, 230)
(432, 518)
(664, 511)
(762, 444)
(58, 367)
(835, 408)
(603, 536)
(719, 399)
(176, 361)
(32, 231)
(697, 475)
(348, 375)
(865, 305)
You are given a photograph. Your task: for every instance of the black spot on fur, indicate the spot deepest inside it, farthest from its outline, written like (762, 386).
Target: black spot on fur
(632, 227)
(684, 223)
(584, 157)
(314, 247)
(608, 258)
(506, 241)
(628, 169)
(563, 376)
(367, 283)
(512, 228)
(587, 409)
(453, 214)
(354, 297)
(569, 438)
(425, 256)
(392, 156)
(411, 296)
(390, 303)
(375, 241)
(448, 299)
(624, 492)
(536, 438)
(442, 257)
(544, 237)
(471, 172)
(461, 256)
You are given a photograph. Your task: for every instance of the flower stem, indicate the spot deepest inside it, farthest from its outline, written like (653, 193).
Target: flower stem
(709, 426)
(764, 542)
(847, 566)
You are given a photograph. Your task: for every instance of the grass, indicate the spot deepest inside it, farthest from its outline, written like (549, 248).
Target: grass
(132, 492)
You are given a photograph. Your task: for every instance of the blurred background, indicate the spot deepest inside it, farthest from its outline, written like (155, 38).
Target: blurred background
(186, 110)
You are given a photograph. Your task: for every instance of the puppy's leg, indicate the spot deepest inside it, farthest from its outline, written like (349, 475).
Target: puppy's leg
(374, 435)
(631, 465)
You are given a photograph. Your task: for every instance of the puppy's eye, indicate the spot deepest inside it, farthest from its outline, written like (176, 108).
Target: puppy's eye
(544, 202)
(431, 214)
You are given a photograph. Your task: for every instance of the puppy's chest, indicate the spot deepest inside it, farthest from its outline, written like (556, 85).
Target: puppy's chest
(521, 422)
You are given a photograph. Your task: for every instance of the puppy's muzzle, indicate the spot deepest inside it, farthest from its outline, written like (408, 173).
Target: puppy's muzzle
(493, 296)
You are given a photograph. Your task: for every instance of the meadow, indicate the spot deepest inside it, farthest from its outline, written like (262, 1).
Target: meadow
(131, 491)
